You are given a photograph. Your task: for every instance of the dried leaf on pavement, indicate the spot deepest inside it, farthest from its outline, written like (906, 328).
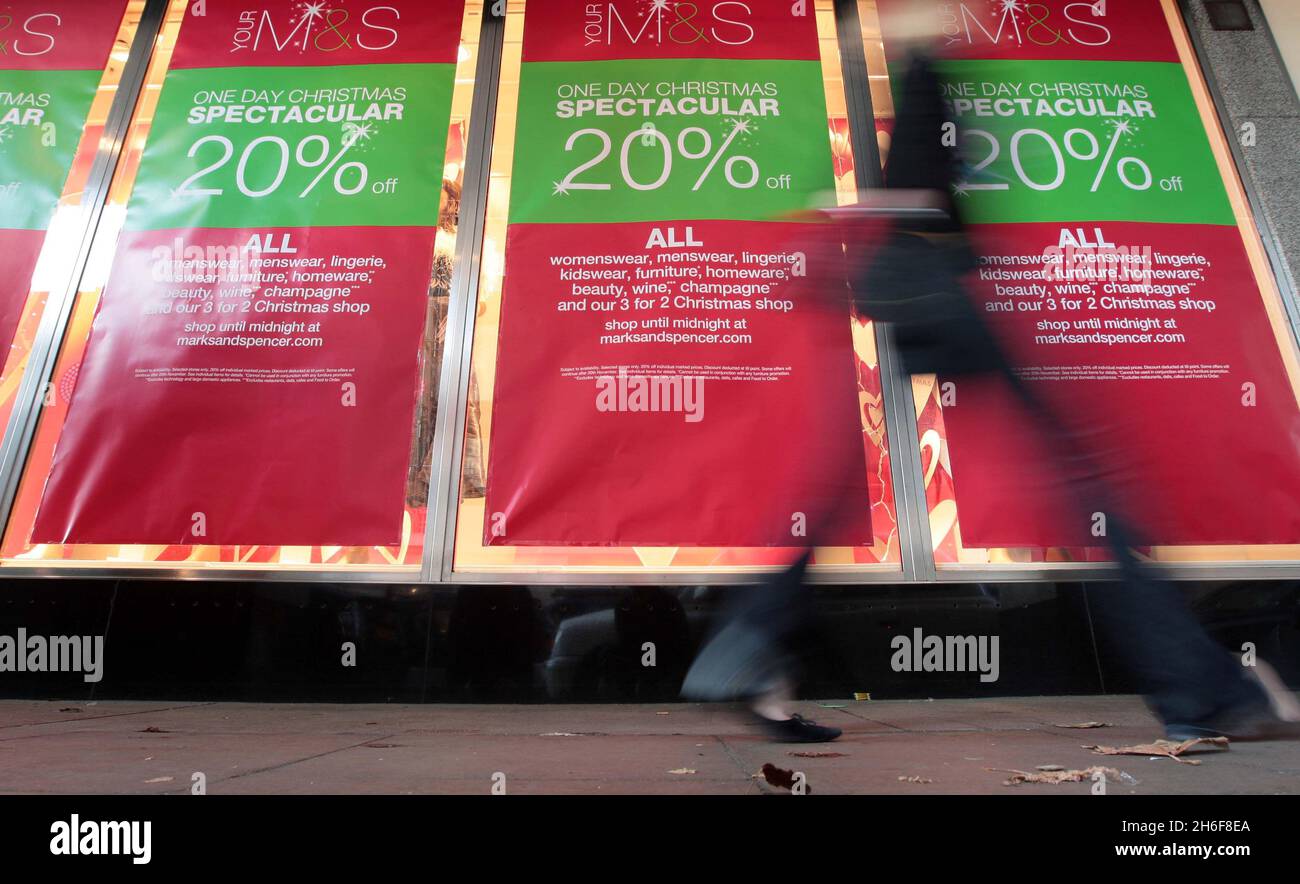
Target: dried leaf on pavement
(1166, 748)
(682, 771)
(915, 780)
(1084, 725)
(1055, 777)
(780, 777)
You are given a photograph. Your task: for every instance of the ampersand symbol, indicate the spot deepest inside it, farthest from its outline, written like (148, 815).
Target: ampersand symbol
(332, 25)
(1040, 23)
(686, 20)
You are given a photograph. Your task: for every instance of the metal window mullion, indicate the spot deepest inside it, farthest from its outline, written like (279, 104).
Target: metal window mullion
(458, 352)
(30, 396)
(911, 515)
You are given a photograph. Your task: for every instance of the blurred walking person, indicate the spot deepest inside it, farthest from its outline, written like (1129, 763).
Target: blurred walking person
(912, 277)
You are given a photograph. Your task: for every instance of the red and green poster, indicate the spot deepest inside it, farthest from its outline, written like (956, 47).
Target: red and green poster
(52, 56)
(251, 374)
(1112, 264)
(662, 379)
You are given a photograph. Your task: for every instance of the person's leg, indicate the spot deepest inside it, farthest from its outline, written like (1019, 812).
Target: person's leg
(1187, 677)
(1189, 681)
(749, 656)
(747, 653)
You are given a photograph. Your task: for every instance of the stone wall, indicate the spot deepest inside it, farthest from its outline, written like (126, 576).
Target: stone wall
(1257, 91)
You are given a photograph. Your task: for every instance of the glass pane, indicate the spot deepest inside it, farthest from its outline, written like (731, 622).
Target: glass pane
(602, 548)
(997, 489)
(304, 175)
(49, 152)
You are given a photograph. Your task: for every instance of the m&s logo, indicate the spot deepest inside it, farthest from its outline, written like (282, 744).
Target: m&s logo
(1023, 23)
(27, 37)
(663, 22)
(317, 26)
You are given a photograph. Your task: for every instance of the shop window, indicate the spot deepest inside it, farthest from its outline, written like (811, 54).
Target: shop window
(1121, 264)
(636, 146)
(249, 376)
(58, 81)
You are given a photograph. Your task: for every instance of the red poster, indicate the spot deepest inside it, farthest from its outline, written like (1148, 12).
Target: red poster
(243, 425)
(252, 371)
(1112, 266)
(1024, 30)
(1183, 403)
(644, 437)
(664, 378)
(58, 35)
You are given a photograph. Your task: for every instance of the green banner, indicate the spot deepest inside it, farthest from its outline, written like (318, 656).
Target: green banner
(349, 145)
(1082, 141)
(648, 149)
(42, 114)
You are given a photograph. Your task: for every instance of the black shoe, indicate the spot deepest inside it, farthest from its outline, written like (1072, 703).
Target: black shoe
(1244, 723)
(1272, 715)
(797, 729)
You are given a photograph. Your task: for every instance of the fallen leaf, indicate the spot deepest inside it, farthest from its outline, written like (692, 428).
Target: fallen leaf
(817, 754)
(154, 730)
(160, 780)
(1055, 777)
(780, 777)
(1164, 748)
(915, 780)
(682, 771)
(1086, 725)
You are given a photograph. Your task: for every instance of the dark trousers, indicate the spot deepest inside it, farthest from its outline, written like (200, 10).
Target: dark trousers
(1186, 676)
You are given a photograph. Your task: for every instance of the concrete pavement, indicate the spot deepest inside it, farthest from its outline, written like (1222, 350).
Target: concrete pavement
(117, 747)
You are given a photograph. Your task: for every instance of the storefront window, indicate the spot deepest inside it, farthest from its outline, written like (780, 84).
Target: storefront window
(58, 81)
(255, 348)
(636, 147)
(1122, 266)
(249, 375)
